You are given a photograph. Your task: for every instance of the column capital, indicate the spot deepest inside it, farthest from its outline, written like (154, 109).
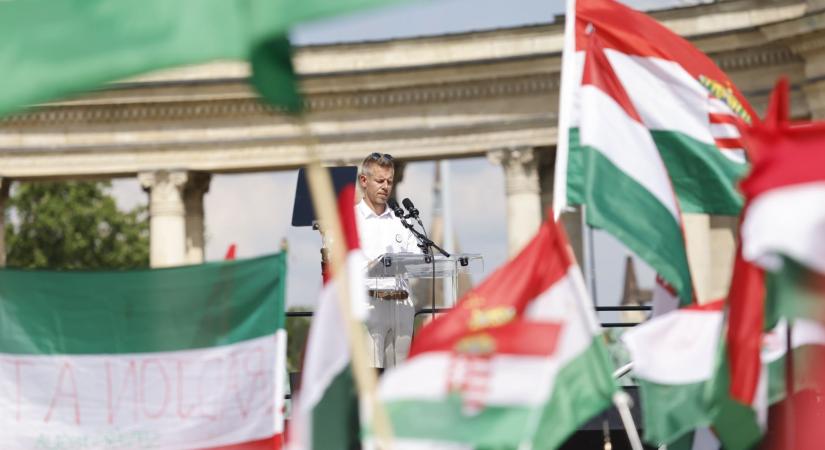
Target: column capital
(166, 191)
(520, 166)
(195, 187)
(153, 178)
(511, 155)
(198, 182)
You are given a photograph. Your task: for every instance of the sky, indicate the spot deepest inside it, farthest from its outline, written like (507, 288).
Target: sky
(254, 210)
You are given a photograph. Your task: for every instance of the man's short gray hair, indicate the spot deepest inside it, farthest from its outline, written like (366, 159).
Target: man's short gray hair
(380, 159)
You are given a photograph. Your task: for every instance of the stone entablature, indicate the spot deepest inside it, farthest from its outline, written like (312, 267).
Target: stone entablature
(432, 97)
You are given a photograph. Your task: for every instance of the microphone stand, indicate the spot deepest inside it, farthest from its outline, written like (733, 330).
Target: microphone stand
(427, 246)
(424, 242)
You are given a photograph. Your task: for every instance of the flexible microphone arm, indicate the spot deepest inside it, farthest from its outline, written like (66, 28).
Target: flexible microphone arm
(425, 240)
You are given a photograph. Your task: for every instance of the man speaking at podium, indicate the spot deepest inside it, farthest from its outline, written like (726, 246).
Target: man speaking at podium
(391, 310)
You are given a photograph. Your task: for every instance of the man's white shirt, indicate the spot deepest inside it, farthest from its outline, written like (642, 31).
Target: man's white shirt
(380, 234)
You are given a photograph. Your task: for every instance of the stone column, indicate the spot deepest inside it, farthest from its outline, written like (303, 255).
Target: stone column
(711, 247)
(572, 219)
(521, 178)
(5, 183)
(723, 230)
(196, 187)
(697, 234)
(167, 222)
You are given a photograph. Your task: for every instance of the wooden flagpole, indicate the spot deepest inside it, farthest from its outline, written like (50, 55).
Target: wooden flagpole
(326, 208)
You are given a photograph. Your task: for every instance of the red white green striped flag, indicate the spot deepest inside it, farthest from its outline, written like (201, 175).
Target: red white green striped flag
(648, 129)
(674, 360)
(681, 364)
(787, 181)
(190, 357)
(807, 336)
(519, 362)
(326, 414)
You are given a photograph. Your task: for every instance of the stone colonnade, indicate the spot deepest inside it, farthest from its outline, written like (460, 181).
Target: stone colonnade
(177, 214)
(177, 217)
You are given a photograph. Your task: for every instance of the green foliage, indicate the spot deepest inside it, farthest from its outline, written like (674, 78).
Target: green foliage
(74, 225)
(297, 330)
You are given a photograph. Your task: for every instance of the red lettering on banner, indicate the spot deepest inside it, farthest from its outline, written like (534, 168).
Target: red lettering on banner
(66, 371)
(18, 383)
(256, 376)
(233, 384)
(183, 414)
(146, 363)
(113, 404)
(211, 384)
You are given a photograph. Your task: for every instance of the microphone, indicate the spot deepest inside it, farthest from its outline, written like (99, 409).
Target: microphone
(395, 208)
(410, 207)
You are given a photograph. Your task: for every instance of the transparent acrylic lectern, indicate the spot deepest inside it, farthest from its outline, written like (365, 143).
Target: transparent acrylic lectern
(415, 265)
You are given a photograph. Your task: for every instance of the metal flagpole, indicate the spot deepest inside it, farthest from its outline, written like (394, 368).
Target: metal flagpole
(589, 255)
(566, 98)
(623, 401)
(789, 386)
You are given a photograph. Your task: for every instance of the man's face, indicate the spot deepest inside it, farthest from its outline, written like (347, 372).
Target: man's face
(377, 185)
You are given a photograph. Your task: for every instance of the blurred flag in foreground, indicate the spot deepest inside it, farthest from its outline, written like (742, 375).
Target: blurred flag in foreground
(783, 237)
(189, 357)
(53, 48)
(326, 414)
(519, 361)
(674, 359)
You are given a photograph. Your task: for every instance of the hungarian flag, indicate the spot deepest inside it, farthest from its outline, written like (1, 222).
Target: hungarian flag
(781, 244)
(519, 362)
(680, 364)
(52, 48)
(787, 181)
(191, 357)
(807, 341)
(648, 129)
(326, 414)
(674, 359)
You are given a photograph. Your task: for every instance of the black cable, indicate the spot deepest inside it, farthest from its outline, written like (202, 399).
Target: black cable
(432, 273)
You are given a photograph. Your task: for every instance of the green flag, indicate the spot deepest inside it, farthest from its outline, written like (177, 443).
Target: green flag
(53, 48)
(184, 357)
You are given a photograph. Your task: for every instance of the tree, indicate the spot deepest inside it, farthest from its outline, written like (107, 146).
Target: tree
(74, 225)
